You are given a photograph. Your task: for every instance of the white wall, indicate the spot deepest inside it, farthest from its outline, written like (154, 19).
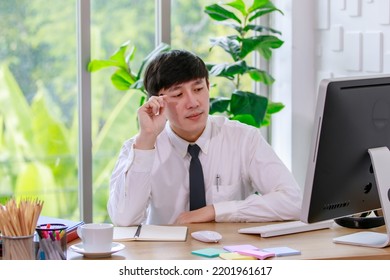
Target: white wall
(323, 38)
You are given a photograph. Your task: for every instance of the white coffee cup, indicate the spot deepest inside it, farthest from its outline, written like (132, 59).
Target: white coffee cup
(96, 237)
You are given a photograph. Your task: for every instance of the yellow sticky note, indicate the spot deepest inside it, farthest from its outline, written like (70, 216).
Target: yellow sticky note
(235, 256)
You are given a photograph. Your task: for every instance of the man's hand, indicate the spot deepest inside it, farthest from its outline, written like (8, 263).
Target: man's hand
(151, 119)
(201, 215)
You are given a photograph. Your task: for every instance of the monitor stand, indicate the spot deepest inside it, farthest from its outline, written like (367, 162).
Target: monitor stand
(380, 158)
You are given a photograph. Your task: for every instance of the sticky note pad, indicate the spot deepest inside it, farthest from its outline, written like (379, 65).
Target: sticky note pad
(261, 255)
(283, 251)
(235, 256)
(208, 252)
(235, 248)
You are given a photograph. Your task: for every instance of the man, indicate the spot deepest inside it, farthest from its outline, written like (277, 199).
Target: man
(244, 180)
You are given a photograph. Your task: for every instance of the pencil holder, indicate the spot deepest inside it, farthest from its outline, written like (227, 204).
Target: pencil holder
(52, 242)
(18, 247)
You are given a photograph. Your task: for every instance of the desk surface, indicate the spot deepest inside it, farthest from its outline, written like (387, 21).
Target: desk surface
(313, 245)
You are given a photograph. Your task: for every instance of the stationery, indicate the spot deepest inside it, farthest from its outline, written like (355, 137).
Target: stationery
(283, 251)
(209, 252)
(150, 233)
(261, 255)
(235, 248)
(235, 256)
(71, 230)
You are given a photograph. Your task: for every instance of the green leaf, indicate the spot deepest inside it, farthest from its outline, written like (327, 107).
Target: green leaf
(97, 64)
(249, 45)
(229, 69)
(261, 8)
(219, 105)
(267, 120)
(258, 4)
(121, 79)
(261, 76)
(244, 102)
(268, 42)
(218, 13)
(120, 55)
(274, 107)
(263, 44)
(130, 55)
(142, 100)
(246, 118)
(263, 12)
(260, 28)
(229, 44)
(117, 59)
(239, 5)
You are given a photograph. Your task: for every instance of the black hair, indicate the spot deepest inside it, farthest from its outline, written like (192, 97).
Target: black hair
(172, 68)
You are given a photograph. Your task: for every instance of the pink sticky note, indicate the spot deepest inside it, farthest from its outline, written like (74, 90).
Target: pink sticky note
(235, 248)
(261, 255)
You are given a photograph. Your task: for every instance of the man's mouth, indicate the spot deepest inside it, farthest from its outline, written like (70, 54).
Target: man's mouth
(194, 115)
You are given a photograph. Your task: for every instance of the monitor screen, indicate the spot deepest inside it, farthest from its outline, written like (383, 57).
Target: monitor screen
(352, 116)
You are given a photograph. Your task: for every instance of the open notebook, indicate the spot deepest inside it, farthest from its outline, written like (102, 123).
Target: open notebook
(150, 233)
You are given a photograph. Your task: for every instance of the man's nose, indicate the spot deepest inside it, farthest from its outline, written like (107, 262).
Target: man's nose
(192, 100)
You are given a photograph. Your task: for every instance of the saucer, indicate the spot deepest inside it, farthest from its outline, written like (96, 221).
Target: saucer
(79, 248)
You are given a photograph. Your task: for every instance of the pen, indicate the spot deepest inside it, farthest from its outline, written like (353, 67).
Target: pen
(138, 232)
(218, 181)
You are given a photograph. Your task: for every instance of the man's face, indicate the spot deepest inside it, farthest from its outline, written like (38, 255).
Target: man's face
(187, 108)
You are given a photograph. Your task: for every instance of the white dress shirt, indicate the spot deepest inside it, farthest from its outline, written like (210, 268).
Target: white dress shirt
(244, 178)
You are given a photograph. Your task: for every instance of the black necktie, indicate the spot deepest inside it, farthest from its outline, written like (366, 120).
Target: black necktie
(197, 196)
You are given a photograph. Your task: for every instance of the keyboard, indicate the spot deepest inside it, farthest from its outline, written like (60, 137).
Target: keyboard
(286, 228)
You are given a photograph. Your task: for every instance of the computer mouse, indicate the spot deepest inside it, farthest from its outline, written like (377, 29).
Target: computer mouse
(206, 236)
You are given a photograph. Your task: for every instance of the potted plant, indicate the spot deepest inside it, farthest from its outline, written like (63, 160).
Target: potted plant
(248, 37)
(125, 78)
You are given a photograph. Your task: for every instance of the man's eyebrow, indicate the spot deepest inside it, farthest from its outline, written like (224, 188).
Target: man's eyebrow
(175, 87)
(198, 81)
(178, 86)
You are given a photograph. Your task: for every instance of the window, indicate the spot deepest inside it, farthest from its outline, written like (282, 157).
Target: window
(113, 111)
(38, 104)
(39, 95)
(39, 130)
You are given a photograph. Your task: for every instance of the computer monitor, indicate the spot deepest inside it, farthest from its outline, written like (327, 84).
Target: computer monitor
(352, 116)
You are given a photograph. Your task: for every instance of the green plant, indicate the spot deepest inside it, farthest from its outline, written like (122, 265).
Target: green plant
(249, 37)
(124, 78)
(37, 154)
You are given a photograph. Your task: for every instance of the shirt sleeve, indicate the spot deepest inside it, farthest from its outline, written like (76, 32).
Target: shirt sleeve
(130, 186)
(276, 194)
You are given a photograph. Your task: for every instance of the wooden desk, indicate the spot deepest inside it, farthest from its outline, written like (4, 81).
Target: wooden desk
(313, 245)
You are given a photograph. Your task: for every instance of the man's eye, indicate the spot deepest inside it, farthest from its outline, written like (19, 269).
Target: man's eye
(198, 89)
(178, 95)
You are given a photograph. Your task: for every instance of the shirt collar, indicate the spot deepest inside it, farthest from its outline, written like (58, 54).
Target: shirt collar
(181, 145)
